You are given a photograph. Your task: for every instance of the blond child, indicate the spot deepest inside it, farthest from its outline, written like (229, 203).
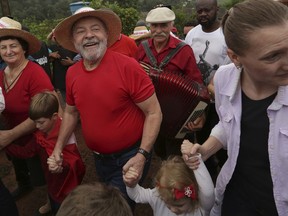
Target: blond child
(44, 112)
(95, 199)
(179, 189)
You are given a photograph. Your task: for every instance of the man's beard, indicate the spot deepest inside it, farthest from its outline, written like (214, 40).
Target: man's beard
(209, 23)
(92, 54)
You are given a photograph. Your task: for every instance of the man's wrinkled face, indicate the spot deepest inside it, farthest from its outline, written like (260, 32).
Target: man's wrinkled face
(161, 31)
(90, 38)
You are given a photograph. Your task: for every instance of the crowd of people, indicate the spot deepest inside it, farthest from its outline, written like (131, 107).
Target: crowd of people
(231, 159)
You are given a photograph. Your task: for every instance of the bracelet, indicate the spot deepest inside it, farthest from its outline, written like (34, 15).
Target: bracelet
(144, 153)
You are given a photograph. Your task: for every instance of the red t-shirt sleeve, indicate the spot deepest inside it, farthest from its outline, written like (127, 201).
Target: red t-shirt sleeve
(138, 82)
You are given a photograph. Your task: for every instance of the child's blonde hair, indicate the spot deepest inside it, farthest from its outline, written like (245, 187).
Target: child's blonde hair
(95, 199)
(175, 176)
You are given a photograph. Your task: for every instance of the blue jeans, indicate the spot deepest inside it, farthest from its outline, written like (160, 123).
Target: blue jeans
(109, 171)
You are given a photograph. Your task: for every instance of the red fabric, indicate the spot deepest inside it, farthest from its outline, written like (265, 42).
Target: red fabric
(125, 45)
(106, 97)
(188, 191)
(17, 101)
(184, 61)
(60, 184)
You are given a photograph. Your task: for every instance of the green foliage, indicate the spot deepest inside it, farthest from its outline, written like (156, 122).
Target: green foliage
(41, 16)
(183, 15)
(229, 3)
(40, 29)
(40, 10)
(124, 3)
(129, 16)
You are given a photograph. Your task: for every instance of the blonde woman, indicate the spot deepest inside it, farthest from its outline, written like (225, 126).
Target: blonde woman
(251, 98)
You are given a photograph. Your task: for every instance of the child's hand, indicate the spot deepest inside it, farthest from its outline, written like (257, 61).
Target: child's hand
(53, 166)
(193, 161)
(190, 155)
(130, 178)
(186, 148)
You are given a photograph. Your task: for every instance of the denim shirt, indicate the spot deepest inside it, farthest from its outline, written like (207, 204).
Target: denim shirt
(227, 131)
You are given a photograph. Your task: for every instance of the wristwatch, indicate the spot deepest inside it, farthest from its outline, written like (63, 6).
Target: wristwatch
(144, 153)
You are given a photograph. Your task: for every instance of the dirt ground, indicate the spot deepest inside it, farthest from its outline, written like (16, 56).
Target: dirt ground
(29, 204)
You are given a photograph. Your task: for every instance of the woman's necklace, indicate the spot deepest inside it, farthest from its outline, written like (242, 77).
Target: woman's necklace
(9, 81)
(12, 81)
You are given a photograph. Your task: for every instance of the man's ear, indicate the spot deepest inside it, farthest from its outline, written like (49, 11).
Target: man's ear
(234, 57)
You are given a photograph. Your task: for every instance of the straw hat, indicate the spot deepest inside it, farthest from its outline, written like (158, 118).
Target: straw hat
(160, 15)
(140, 32)
(50, 35)
(63, 31)
(10, 27)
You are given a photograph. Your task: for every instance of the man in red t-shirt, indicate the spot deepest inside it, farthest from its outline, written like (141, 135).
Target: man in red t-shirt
(119, 111)
(125, 45)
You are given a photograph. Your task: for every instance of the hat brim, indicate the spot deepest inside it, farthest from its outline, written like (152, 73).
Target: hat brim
(33, 42)
(63, 31)
(139, 37)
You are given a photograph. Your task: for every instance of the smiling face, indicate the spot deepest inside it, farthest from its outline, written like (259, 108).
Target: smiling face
(265, 61)
(90, 38)
(11, 51)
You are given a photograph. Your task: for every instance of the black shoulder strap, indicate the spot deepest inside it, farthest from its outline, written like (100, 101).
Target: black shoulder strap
(166, 60)
(170, 55)
(149, 53)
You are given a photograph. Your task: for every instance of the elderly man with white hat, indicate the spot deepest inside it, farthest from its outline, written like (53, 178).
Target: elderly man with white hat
(120, 114)
(158, 47)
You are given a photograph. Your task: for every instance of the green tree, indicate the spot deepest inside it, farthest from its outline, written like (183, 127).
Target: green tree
(129, 16)
(40, 29)
(39, 9)
(125, 3)
(229, 3)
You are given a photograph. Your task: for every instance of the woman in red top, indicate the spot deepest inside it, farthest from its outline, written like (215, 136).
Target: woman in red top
(20, 80)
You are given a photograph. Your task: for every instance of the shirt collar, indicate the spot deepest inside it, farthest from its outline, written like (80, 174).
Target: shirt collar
(230, 88)
(171, 43)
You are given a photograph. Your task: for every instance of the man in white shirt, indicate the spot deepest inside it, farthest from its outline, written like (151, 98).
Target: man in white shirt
(207, 39)
(210, 50)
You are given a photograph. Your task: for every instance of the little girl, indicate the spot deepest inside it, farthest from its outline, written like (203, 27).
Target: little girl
(179, 190)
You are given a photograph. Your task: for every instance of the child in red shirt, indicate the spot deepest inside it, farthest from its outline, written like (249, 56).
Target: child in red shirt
(44, 112)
